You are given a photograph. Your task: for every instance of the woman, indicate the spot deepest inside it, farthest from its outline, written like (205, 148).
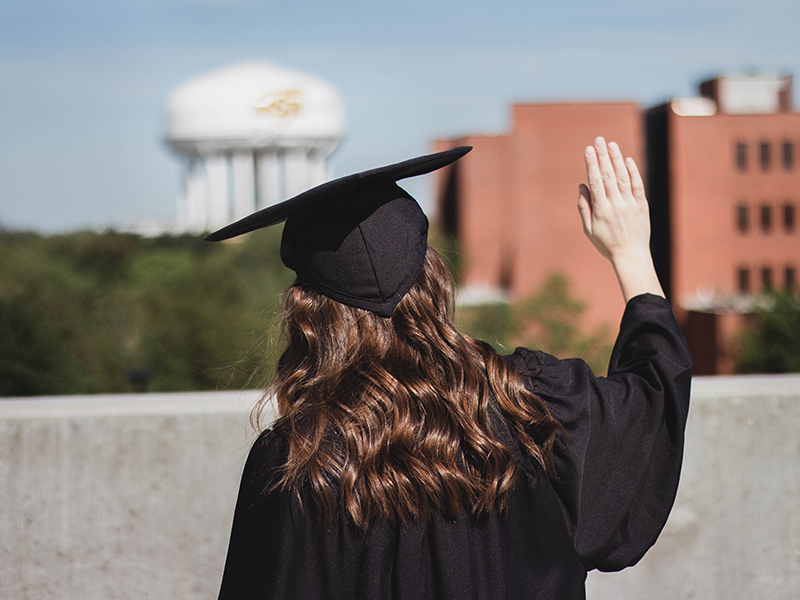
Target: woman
(411, 461)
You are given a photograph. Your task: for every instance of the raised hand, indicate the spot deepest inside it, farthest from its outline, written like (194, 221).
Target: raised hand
(616, 217)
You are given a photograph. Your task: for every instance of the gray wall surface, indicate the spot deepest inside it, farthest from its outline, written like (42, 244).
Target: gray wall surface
(132, 497)
(119, 496)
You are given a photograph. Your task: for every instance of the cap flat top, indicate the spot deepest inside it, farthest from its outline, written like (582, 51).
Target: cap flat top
(337, 187)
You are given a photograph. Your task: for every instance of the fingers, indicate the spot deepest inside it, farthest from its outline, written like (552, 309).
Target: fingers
(593, 176)
(611, 177)
(623, 181)
(607, 174)
(637, 185)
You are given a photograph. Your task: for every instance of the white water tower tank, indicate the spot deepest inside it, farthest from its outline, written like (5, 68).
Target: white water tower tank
(251, 135)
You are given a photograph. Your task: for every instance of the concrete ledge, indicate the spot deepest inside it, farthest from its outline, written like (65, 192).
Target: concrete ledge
(132, 496)
(746, 386)
(188, 403)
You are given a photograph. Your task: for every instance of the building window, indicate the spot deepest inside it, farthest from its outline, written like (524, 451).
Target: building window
(766, 279)
(788, 155)
(741, 156)
(765, 154)
(790, 279)
(788, 217)
(742, 217)
(766, 218)
(744, 280)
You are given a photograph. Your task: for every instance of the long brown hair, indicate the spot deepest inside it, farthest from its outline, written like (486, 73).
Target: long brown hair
(391, 416)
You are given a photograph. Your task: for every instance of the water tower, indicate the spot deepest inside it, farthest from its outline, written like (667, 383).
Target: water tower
(251, 135)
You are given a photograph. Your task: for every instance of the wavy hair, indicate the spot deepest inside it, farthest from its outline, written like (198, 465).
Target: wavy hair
(390, 417)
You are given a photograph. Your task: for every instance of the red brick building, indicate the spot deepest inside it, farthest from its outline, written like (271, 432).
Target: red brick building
(512, 204)
(724, 184)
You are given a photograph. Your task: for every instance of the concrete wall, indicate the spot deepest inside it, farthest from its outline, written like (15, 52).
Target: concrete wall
(132, 497)
(119, 496)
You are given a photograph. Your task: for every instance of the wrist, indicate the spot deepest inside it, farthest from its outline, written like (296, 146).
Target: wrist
(636, 273)
(633, 258)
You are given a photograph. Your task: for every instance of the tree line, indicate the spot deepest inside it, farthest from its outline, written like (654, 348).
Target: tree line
(109, 312)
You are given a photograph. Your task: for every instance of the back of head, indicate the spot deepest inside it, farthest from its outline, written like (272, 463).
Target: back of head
(389, 418)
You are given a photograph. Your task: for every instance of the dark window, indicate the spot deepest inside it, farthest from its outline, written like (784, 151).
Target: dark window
(742, 217)
(766, 278)
(765, 153)
(766, 217)
(790, 279)
(788, 155)
(741, 156)
(744, 280)
(788, 217)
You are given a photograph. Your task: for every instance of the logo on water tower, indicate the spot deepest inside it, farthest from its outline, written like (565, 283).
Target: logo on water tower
(285, 103)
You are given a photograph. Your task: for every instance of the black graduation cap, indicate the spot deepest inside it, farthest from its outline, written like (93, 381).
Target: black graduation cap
(360, 239)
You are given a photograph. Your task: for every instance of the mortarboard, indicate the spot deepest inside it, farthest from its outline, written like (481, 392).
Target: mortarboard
(360, 239)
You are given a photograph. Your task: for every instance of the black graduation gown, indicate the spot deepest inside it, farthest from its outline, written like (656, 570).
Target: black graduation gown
(618, 469)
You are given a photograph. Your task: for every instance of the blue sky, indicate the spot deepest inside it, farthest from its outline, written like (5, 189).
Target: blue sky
(83, 83)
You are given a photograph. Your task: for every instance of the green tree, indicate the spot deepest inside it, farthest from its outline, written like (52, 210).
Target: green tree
(772, 342)
(549, 320)
(116, 313)
(32, 359)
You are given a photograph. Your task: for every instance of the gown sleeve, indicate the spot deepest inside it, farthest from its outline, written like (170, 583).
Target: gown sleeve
(619, 458)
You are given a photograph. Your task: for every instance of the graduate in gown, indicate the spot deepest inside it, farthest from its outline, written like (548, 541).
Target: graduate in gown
(412, 462)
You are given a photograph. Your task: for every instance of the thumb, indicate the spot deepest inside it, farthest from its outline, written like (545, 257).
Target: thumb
(585, 207)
